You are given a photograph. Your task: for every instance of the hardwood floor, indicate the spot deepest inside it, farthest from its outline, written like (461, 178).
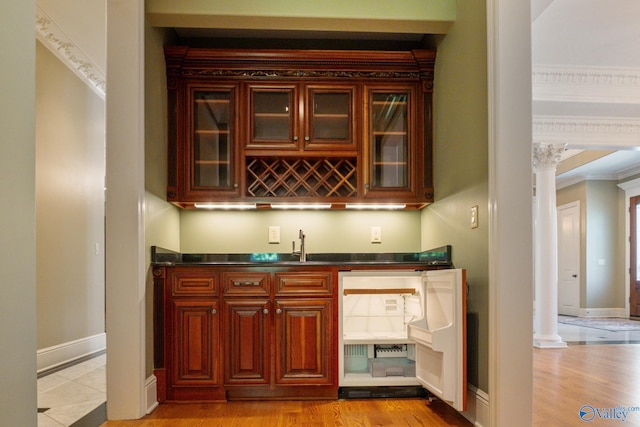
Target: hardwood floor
(565, 380)
(371, 412)
(595, 376)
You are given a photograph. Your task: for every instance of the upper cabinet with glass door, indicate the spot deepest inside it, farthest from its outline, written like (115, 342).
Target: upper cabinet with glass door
(204, 143)
(390, 152)
(301, 117)
(334, 128)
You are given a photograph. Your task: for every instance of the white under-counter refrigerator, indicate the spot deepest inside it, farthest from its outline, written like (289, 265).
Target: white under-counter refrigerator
(404, 328)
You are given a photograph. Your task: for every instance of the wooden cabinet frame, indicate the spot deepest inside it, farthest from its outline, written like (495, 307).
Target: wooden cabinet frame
(245, 332)
(297, 170)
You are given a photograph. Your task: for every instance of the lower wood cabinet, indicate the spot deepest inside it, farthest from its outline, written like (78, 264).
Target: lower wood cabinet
(303, 345)
(247, 342)
(245, 334)
(196, 344)
(187, 330)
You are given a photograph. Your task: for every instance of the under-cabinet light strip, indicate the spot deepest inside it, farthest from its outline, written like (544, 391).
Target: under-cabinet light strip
(225, 206)
(300, 205)
(375, 206)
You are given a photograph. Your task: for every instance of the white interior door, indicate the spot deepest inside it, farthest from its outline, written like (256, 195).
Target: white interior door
(569, 259)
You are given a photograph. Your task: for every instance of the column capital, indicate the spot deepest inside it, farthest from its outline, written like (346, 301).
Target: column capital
(547, 155)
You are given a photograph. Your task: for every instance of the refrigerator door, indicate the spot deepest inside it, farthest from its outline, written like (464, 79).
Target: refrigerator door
(440, 336)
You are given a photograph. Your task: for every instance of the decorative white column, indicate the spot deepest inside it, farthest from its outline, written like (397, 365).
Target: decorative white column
(545, 160)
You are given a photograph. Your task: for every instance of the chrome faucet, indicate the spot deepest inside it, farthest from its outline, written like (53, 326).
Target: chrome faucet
(301, 252)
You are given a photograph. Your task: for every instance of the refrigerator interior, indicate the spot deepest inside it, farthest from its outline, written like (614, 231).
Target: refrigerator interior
(375, 311)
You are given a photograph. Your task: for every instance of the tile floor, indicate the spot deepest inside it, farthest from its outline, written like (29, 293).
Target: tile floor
(574, 335)
(71, 393)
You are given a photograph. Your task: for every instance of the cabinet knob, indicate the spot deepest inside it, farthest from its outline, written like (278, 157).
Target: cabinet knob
(306, 138)
(295, 138)
(279, 311)
(213, 311)
(265, 311)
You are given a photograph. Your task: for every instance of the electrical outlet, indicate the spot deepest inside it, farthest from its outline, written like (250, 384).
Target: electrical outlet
(274, 234)
(376, 234)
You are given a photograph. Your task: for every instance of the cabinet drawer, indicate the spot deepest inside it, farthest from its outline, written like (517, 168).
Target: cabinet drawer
(245, 283)
(303, 282)
(187, 282)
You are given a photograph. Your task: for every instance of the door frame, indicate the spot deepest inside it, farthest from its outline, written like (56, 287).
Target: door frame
(631, 189)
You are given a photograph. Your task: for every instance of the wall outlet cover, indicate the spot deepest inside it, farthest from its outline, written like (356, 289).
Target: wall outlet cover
(376, 234)
(274, 234)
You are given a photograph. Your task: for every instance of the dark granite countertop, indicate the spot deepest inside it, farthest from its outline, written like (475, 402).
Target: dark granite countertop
(440, 257)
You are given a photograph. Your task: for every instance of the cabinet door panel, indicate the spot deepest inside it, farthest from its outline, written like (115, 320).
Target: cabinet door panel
(330, 118)
(303, 331)
(390, 151)
(196, 343)
(273, 116)
(247, 341)
(210, 157)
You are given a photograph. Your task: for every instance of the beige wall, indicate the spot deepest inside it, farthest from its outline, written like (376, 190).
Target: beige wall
(339, 231)
(408, 16)
(461, 171)
(602, 231)
(70, 138)
(162, 220)
(605, 280)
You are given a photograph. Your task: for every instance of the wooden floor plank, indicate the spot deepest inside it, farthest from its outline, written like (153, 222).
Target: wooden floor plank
(341, 413)
(602, 376)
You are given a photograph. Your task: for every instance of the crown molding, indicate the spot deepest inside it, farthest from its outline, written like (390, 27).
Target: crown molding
(586, 84)
(587, 132)
(52, 36)
(564, 182)
(626, 173)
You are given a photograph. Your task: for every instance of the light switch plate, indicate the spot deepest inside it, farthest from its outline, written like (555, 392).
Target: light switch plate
(474, 217)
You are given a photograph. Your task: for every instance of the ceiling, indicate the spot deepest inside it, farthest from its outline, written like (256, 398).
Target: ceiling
(586, 83)
(585, 60)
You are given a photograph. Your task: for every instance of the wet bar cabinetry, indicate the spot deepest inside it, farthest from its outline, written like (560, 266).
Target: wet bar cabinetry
(245, 332)
(269, 126)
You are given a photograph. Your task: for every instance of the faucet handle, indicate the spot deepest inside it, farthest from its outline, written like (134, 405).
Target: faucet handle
(301, 234)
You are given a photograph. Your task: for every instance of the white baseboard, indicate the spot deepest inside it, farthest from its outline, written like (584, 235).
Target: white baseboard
(603, 312)
(151, 394)
(477, 407)
(61, 354)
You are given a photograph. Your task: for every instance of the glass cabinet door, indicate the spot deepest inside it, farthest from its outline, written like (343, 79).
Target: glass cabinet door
(330, 122)
(389, 140)
(273, 114)
(212, 136)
